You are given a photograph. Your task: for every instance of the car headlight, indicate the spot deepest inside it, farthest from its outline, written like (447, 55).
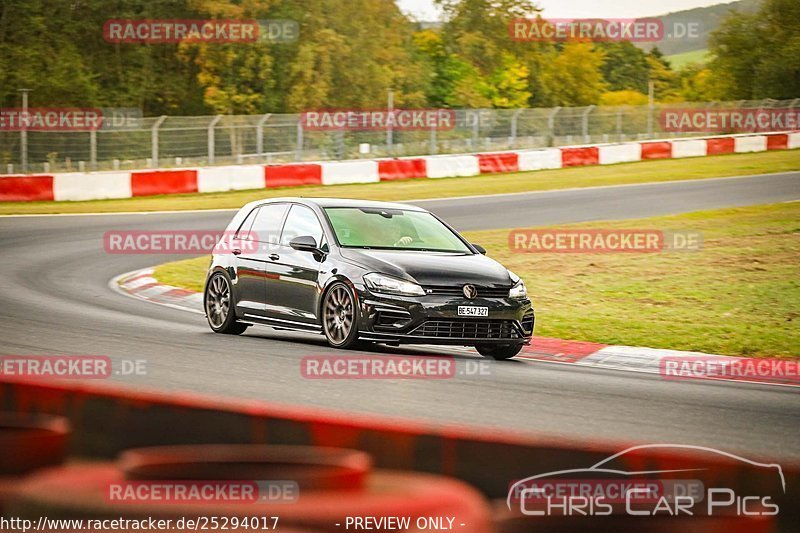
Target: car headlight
(518, 290)
(388, 285)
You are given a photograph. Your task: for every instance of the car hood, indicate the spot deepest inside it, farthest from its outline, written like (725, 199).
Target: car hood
(432, 268)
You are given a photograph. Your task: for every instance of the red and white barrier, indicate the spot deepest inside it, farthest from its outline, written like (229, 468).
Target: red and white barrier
(540, 159)
(230, 178)
(450, 166)
(753, 143)
(126, 184)
(341, 172)
(688, 148)
(620, 153)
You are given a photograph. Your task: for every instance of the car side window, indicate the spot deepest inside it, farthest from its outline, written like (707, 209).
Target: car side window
(267, 225)
(244, 229)
(300, 222)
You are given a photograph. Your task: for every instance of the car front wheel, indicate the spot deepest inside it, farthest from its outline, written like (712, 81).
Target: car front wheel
(218, 303)
(340, 316)
(499, 352)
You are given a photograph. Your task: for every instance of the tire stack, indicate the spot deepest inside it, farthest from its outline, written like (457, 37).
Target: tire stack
(27, 443)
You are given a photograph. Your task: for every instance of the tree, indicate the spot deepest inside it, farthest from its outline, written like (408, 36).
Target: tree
(573, 77)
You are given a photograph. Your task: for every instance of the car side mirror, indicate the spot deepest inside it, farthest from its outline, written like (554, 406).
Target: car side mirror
(304, 243)
(479, 248)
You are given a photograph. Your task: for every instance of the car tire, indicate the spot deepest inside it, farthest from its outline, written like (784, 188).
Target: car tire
(499, 352)
(340, 316)
(219, 306)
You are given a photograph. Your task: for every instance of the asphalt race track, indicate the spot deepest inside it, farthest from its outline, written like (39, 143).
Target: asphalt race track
(55, 299)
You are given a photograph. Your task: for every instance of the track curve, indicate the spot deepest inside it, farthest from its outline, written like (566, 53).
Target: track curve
(54, 299)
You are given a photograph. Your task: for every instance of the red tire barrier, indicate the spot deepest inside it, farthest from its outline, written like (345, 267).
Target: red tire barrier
(292, 175)
(575, 157)
(723, 145)
(155, 182)
(311, 467)
(778, 142)
(493, 163)
(84, 491)
(26, 188)
(656, 150)
(402, 169)
(28, 442)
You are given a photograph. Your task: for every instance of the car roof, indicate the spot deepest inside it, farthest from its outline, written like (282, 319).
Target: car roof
(339, 202)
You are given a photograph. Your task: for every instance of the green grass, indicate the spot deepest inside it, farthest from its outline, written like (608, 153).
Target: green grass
(739, 295)
(640, 172)
(678, 61)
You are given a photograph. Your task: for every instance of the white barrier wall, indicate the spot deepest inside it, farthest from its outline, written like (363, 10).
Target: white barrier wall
(793, 141)
(619, 153)
(754, 143)
(230, 178)
(540, 159)
(688, 148)
(448, 166)
(91, 185)
(350, 172)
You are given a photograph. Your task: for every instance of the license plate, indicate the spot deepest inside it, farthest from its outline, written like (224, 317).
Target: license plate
(471, 310)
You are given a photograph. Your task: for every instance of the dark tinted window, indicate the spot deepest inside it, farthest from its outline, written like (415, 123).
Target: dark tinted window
(244, 229)
(267, 225)
(300, 222)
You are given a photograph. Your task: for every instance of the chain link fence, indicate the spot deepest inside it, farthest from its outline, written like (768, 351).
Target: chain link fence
(279, 138)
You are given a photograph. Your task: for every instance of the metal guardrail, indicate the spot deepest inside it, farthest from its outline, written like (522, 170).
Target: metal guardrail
(171, 141)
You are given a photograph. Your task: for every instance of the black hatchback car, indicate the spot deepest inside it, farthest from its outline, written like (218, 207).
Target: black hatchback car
(360, 270)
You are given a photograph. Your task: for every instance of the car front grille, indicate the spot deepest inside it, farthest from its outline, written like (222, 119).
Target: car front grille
(483, 292)
(527, 322)
(467, 329)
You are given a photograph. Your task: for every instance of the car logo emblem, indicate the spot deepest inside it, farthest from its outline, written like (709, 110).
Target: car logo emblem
(470, 291)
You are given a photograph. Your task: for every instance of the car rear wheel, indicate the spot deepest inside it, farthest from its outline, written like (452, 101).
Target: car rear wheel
(340, 316)
(499, 352)
(218, 303)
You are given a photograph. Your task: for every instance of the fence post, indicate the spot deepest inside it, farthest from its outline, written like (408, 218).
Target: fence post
(476, 129)
(260, 135)
(93, 150)
(514, 117)
(434, 148)
(585, 119)
(619, 124)
(299, 150)
(154, 139)
(211, 143)
(551, 124)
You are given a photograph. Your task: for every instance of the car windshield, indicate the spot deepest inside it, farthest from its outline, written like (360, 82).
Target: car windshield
(392, 229)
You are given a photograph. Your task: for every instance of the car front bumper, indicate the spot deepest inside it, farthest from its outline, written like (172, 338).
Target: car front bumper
(434, 319)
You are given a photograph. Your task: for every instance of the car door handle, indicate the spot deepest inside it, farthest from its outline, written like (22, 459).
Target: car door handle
(236, 251)
(274, 257)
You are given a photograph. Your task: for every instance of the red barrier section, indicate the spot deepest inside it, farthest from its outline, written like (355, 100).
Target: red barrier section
(291, 175)
(492, 163)
(575, 157)
(656, 150)
(778, 142)
(26, 188)
(724, 145)
(402, 169)
(154, 182)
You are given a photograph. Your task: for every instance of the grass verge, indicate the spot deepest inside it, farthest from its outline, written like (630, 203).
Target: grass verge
(739, 295)
(625, 173)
